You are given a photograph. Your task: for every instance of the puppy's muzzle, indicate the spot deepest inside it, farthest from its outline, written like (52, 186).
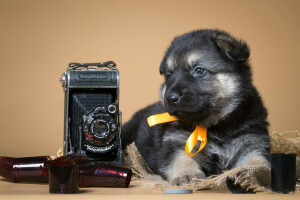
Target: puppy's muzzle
(173, 98)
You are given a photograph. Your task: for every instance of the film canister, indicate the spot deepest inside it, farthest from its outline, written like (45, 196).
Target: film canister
(283, 172)
(64, 179)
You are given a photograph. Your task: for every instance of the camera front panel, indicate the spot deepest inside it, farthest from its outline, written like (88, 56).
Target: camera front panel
(92, 124)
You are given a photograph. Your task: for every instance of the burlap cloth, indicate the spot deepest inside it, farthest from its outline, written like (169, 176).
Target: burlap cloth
(257, 179)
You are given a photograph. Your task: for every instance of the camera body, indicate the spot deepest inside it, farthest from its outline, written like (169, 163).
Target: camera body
(92, 119)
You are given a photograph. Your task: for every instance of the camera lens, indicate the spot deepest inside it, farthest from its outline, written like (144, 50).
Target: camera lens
(100, 129)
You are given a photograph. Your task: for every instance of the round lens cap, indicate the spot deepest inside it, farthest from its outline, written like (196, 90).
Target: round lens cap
(178, 191)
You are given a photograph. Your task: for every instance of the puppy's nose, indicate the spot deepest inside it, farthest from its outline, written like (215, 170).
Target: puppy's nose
(173, 98)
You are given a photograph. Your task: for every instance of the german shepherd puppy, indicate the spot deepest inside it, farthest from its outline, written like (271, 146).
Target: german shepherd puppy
(208, 83)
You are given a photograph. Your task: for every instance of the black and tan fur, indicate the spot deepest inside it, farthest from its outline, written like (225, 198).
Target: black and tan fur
(207, 82)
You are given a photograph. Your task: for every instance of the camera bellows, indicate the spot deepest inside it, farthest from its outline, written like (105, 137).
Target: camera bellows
(84, 102)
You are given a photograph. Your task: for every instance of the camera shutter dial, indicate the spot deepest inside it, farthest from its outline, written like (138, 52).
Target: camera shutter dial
(63, 80)
(99, 127)
(112, 109)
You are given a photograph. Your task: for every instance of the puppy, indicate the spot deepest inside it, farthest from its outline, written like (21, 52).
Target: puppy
(208, 83)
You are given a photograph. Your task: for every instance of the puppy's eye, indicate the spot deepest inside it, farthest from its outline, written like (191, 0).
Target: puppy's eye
(199, 70)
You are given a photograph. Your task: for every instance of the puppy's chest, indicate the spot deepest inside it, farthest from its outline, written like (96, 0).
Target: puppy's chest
(180, 134)
(176, 133)
(216, 155)
(220, 154)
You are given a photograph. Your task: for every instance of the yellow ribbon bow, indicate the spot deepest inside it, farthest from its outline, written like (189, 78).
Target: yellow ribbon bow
(199, 134)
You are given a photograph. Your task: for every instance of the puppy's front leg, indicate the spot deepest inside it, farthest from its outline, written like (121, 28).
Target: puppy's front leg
(182, 169)
(254, 158)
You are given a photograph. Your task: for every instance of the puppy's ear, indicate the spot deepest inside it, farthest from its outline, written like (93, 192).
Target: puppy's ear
(233, 49)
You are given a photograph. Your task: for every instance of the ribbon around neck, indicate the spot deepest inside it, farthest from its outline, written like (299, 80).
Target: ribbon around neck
(199, 134)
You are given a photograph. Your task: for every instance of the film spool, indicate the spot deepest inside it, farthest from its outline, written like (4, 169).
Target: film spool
(64, 179)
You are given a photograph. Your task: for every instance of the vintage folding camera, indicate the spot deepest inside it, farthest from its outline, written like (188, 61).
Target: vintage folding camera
(92, 122)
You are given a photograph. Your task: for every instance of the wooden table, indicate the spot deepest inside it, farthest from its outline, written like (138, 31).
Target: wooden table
(25, 191)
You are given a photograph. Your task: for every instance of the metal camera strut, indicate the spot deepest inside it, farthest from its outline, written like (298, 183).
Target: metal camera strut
(109, 64)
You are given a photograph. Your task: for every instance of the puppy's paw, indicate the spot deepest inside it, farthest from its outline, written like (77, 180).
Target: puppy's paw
(187, 178)
(182, 169)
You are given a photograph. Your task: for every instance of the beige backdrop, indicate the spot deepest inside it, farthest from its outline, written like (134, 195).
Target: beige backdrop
(39, 38)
